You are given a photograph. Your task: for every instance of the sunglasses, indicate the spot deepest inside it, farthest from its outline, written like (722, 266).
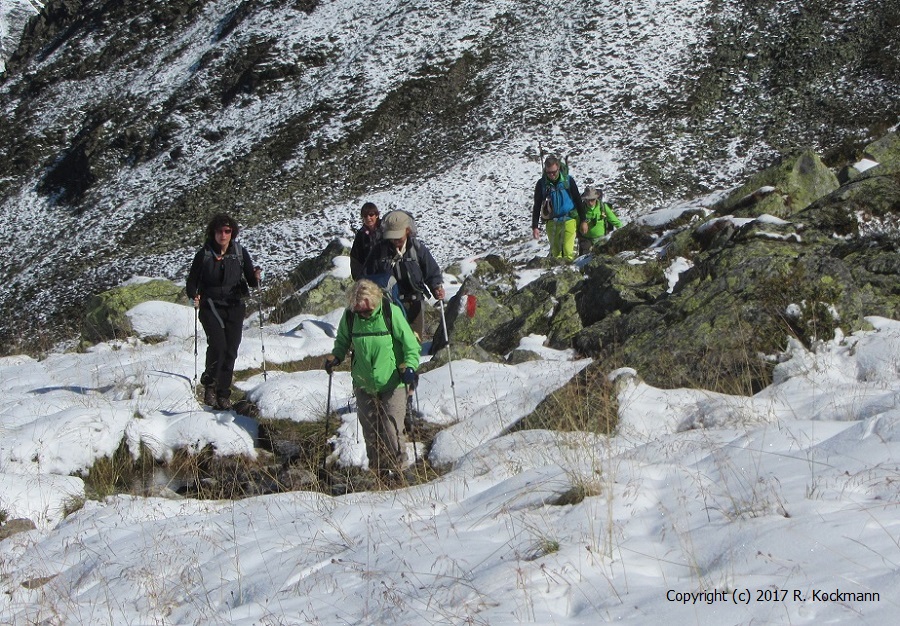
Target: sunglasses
(371, 215)
(224, 231)
(551, 172)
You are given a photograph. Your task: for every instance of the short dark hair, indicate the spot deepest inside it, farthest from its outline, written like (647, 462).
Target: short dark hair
(368, 207)
(218, 221)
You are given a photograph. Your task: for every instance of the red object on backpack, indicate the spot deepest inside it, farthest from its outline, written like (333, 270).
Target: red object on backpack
(471, 303)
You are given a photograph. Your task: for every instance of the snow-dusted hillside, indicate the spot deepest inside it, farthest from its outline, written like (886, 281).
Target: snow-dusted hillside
(14, 14)
(126, 124)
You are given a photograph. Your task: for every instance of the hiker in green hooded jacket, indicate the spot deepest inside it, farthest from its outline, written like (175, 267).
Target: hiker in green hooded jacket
(383, 369)
(600, 219)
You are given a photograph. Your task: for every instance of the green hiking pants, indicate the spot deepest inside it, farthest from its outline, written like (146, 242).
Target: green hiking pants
(562, 238)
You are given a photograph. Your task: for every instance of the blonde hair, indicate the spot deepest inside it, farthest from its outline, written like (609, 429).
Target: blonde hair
(364, 292)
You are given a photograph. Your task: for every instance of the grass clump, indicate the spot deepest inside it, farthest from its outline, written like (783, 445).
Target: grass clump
(807, 307)
(577, 493)
(120, 472)
(586, 403)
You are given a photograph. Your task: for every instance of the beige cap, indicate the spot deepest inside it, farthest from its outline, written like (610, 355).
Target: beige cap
(394, 225)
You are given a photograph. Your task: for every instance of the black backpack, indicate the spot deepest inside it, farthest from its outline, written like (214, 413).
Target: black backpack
(243, 287)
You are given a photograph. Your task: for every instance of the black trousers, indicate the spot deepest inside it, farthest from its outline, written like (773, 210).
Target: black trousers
(223, 340)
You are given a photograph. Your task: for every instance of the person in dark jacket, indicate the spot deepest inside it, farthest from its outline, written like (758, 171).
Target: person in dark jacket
(558, 203)
(401, 255)
(364, 240)
(217, 281)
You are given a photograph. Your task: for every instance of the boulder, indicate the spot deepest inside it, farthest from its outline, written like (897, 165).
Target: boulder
(458, 352)
(785, 188)
(105, 317)
(867, 206)
(327, 294)
(614, 285)
(487, 314)
(886, 152)
(313, 287)
(545, 306)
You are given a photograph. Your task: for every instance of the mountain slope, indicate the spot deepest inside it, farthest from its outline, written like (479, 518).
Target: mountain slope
(126, 124)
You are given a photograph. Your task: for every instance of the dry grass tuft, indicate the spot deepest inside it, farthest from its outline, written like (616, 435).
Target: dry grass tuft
(586, 403)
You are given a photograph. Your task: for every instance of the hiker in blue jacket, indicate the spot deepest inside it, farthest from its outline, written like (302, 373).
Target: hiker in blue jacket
(558, 203)
(218, 280)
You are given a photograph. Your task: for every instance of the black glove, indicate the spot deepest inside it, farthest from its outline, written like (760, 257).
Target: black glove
(409, 377)
(331, 363)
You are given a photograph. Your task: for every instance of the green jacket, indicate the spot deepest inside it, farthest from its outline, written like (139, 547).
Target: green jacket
(597, 216)
(377, 352)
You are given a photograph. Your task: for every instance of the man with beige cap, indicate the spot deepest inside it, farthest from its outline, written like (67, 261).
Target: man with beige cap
(402, 256)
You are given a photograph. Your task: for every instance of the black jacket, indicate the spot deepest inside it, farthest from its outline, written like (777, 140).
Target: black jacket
(222, 279)
(362, 244)
(416, 271)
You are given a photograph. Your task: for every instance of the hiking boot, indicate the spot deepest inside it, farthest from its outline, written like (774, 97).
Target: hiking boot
(209, 395)
(223, 403)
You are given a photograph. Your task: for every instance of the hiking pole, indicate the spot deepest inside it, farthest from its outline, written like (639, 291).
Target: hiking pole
(323, 476)
(409, 422)
(449, 359)
(328, 403)
(196, 316)
(261, 341)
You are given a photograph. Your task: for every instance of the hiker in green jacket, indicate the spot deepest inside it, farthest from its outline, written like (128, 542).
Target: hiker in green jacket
(383, 368)
(599, 217)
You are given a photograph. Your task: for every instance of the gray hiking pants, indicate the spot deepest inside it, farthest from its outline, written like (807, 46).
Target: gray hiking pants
(382, 419)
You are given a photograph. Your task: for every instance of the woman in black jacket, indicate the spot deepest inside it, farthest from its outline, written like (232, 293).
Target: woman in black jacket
(217, 282)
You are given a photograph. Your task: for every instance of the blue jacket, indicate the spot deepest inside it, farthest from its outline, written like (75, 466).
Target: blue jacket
(563, 194)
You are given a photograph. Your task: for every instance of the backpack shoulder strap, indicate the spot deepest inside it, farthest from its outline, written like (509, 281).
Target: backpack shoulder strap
(239, 251)
(387, 313)
(349, 316)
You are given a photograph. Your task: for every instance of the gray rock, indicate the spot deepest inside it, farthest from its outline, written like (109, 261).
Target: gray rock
(787, 187)
(105, 317)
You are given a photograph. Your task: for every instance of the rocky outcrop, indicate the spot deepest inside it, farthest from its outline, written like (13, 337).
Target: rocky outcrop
(785, 188)
(756, 280)
(105, 318)
(311, 287)
(830, 260)
(471, 314)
